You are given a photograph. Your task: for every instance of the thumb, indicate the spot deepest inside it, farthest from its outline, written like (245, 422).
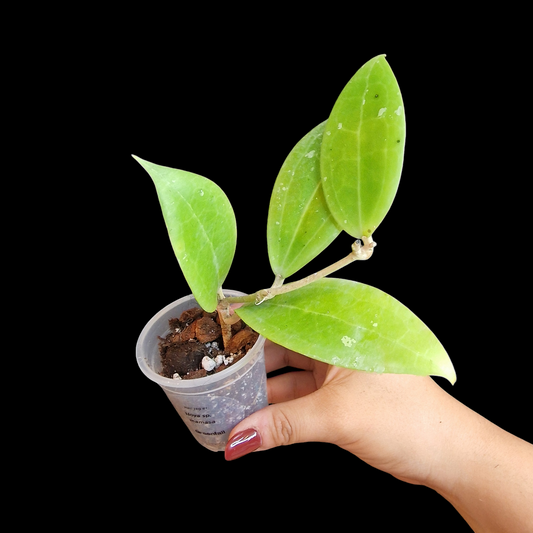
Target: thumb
(301, 420)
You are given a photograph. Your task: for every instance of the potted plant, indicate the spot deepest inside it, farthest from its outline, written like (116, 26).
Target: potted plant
(342, 176)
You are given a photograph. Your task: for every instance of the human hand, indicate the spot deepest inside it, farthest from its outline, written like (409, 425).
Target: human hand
(404, 425)
(389, 421)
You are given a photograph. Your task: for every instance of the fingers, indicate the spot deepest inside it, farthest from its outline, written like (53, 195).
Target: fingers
(301, 420)
(277, 357)
(299, 413)
(290, 386)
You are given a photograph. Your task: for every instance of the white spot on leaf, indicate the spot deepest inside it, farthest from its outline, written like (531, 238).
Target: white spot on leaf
(348, 341)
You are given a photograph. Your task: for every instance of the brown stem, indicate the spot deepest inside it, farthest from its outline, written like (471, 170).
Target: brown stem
(225, 326)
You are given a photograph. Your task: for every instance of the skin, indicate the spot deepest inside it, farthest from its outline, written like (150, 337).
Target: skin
(404, 425)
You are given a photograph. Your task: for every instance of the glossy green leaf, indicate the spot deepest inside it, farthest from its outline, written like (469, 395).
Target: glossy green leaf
(300, 225)
(363, 148)
(201, 226)
(351, 325)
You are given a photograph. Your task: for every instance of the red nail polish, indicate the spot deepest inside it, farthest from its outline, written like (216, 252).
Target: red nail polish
(242, 443)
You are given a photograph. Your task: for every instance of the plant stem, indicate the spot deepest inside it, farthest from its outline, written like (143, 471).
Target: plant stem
(360, 252)
(225, 324)
(278, 282)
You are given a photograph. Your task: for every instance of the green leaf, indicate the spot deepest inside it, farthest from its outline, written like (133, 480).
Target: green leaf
(351, 325)
(363, 148)
(201, 226)
(300, 225)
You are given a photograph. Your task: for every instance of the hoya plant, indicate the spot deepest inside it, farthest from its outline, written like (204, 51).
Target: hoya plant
(342, 176)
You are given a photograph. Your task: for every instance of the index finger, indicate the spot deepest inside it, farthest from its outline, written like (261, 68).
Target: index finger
(277, 357)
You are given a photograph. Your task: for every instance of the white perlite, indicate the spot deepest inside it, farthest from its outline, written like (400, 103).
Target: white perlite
(208, 364)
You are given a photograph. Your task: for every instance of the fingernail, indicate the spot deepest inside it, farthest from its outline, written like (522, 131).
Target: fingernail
(242, 443)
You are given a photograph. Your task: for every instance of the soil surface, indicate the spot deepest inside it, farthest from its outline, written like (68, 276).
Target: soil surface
(194, 347)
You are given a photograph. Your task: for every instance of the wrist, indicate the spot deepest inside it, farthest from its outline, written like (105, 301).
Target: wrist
(485, 473)
(459, 443)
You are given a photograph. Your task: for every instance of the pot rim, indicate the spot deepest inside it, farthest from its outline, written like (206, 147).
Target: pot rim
(209, 382)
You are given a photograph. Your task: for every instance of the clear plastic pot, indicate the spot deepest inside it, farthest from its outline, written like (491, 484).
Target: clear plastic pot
(210, 406)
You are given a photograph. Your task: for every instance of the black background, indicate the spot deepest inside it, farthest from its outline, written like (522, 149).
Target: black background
(229, 104)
